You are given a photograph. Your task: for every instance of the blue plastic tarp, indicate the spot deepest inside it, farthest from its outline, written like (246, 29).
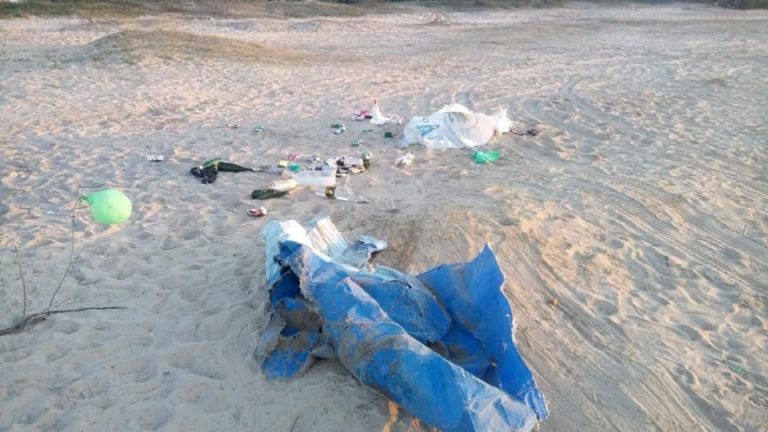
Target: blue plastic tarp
(440, 344)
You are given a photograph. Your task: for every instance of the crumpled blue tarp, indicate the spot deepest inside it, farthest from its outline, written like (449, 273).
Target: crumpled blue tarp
(439, 344)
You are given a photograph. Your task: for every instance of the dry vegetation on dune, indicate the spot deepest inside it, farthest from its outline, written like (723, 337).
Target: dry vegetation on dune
(89, 8)
(292, 8)
(132, 46)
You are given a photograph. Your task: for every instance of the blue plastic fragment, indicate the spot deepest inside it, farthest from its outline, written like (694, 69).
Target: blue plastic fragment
(471, 293)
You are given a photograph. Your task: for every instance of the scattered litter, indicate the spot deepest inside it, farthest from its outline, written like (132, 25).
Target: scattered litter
(382, 325)
(455, 126)
(233, 125)
(323, 177)
(481, 157)
(209, 170)
(338, 128)
(284, 185)
(350, 161)
(277, 189)
(503, 123)
(532, 131)
(405, 160)
(389, 134)
(362, 115)
(357, 142)
(378, 118)
(258, 129)
(315, 174)
(268, 193)
(154, 158)
(367, 130)
(257, 212)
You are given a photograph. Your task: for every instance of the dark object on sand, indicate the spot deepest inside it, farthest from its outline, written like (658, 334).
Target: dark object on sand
(208, 171)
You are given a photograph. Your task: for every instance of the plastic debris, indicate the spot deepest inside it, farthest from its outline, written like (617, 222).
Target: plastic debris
(424, 341)
(481, 157)
(258, 129)
(378, 118)
(455, 126)
(257, 212)
(405, 160)
(323, 177)
(338, 128)
(362, 115)
(154, 158)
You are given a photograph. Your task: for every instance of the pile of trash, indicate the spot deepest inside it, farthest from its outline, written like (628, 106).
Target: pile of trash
(453, 126)
(439, 344)
(315, 174)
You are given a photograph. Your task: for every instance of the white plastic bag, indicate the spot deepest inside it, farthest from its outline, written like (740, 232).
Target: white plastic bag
(378, 118)
(454, 126)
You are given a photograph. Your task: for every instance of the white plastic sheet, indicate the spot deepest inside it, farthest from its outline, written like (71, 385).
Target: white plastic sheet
(324, 238)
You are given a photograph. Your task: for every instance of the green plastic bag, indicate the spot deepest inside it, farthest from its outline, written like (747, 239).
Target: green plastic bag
(486, 157)
(109, 206)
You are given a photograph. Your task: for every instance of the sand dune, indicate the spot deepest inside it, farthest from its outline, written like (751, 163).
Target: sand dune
(632, 229)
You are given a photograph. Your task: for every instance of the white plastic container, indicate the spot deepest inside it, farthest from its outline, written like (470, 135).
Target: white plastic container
(323, 178)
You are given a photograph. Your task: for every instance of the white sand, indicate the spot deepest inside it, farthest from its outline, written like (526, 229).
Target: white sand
(641, 208)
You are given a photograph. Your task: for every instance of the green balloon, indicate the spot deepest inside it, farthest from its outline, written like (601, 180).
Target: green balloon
(109, 206)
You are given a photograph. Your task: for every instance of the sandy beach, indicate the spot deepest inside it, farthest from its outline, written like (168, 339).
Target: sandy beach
(632, 229)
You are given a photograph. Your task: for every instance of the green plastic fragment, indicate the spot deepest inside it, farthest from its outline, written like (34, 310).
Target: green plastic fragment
(481, 157)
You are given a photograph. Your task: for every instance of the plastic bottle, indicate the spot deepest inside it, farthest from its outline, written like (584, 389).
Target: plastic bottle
(323, 178)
